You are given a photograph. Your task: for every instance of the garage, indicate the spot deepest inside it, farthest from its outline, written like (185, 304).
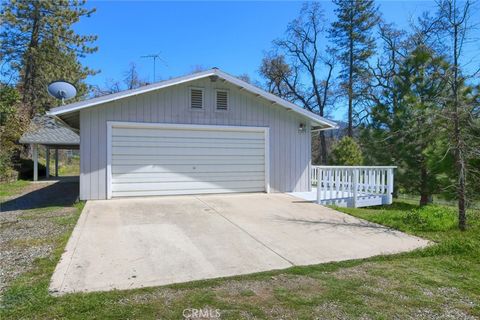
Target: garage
(150, 159)
(205, 132)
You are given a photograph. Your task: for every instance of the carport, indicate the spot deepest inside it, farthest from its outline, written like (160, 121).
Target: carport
(52, 133)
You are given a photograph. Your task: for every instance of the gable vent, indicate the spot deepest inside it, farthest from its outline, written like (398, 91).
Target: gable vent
(196, 98)
(222, 100)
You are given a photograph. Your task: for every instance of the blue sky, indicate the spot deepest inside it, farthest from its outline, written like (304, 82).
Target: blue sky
(230, 35)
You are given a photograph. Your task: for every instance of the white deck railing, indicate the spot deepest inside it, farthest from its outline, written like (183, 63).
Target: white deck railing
(355, 186)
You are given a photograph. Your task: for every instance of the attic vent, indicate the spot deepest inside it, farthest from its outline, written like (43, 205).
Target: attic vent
(222, 99)
(196, 98)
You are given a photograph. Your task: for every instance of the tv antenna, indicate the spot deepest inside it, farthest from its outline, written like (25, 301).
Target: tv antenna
(154, 56)
(62, 90)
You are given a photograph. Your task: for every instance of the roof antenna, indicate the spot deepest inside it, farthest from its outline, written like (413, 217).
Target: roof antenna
(62, 90)
(154, 56)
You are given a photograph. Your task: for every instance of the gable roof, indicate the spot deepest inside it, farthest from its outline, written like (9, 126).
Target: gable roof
(317, 121)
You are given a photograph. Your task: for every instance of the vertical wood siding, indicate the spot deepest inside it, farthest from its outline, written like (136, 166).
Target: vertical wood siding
(289, 150)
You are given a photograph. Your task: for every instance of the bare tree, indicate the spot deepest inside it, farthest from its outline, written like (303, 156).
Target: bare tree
(132, 79)
(299, 69)
(454, 18)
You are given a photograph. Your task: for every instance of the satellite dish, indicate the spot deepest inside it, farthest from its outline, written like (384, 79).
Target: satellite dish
(62, 90)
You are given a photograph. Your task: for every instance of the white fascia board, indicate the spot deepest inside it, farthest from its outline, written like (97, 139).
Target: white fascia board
(69, 108)
(128, 93)
(271, 97)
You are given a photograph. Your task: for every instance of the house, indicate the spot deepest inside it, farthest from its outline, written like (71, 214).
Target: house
(206, 132)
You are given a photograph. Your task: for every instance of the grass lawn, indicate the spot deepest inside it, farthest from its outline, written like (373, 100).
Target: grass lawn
(12, 188)
(441, 281)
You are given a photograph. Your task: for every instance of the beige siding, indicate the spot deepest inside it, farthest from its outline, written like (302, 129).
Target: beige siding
(289, 149)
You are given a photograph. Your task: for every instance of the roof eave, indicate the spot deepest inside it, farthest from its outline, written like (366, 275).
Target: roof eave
(75, 107)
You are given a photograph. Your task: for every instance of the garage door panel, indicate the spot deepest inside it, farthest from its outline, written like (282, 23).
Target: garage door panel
(159, 178)
(149, 161)
(193, 185)
(183, 134)
(226, 157)
(184, 191)
(181, 168)
(165, 142)
(197, 161)
(187, 144)
(181, 151)
(175, 176)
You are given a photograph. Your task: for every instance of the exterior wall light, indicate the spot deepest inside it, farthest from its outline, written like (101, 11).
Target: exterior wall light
(302, 128)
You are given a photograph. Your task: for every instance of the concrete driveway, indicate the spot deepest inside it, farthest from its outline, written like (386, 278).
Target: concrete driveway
(138, 242)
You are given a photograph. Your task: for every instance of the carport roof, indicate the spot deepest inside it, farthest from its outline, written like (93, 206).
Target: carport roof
(67, 111)
(48, 130)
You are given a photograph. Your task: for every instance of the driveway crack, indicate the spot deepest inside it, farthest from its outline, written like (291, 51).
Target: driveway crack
(245, 231)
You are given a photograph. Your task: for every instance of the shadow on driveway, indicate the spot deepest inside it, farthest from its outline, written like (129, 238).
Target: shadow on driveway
(47, 195)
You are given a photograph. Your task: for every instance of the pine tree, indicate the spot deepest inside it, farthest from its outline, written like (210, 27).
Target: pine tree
(409, 130)
(355, 44)
(39, 45)
(346, 152)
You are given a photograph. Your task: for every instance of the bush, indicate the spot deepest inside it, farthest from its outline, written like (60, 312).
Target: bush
(431, 218)
(346, 152)
(12, 123)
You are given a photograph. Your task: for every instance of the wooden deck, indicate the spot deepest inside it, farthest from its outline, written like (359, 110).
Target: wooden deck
(343, 186)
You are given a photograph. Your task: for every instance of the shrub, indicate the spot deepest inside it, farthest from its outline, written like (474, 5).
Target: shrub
(431, 218)
(12, 124)
(346, 152)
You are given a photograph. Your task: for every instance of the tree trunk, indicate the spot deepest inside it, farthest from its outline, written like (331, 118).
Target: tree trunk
(425, 196)
(29, 70)
(457, 137)
(323, 148)
(350, 90)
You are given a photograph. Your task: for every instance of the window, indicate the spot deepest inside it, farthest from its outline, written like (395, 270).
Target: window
(196, 98)
(221, 100)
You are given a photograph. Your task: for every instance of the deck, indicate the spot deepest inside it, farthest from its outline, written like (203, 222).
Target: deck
(357, 186)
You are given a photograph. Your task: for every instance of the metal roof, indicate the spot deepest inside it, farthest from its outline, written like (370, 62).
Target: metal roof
(48, 130)
(317, 121)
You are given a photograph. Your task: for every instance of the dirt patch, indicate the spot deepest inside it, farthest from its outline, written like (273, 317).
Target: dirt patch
(29, 226)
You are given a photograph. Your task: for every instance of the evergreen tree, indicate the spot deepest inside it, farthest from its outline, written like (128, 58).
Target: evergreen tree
(355, 44)
(346, 152)
(39, 45)
(409, 130)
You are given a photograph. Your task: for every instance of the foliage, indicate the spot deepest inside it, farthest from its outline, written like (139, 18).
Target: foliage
(407, 128)
(346, 152)
(352, 34)
(299, 69)
(433, 218)
(12, 124)
(40, 45)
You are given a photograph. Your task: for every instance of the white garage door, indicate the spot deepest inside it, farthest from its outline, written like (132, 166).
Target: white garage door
(156, 160)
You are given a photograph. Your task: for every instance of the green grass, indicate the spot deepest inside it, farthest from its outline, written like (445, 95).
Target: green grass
(442, 280)
(12, 188)
(64, 168)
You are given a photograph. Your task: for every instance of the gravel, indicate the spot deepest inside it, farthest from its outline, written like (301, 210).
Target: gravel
(30, 224)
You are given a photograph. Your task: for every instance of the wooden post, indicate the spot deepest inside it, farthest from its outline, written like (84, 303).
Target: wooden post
(355, 185)
(47, 162)
(319, 185)
(390, 186)
(56, 162)
(35, 162)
